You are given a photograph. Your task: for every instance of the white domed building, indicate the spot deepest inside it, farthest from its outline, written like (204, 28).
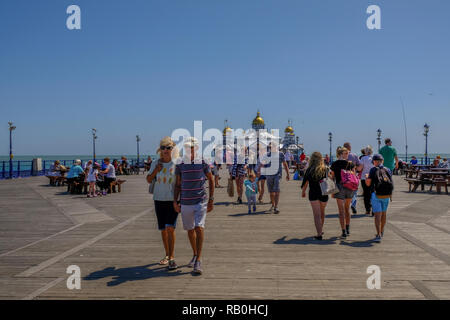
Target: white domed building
(290, 141)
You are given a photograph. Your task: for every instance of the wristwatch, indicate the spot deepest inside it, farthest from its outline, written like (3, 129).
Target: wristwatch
(211, 199)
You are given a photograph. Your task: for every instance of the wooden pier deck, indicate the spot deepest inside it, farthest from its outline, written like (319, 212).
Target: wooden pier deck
(115, 242)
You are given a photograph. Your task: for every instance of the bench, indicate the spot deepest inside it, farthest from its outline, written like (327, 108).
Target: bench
(117, 183)
(135, 170)
(411, 173)
(75, 187)
(440, 183)
(414, 183)
(55, 180)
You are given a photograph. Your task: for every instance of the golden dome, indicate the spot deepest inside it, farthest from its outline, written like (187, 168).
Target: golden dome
(258, 120)
(227, 129)
(289, 129)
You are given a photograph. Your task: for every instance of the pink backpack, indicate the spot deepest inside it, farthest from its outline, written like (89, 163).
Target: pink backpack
(349, 180)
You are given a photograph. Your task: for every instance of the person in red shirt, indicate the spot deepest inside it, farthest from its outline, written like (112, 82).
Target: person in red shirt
(302, 157)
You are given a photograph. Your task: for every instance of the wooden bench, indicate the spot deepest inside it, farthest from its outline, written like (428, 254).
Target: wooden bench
(411, 173)
(135, 170)
(75, 187)
(117, 183)
(439, 183)
(414, 183)
(55, 180)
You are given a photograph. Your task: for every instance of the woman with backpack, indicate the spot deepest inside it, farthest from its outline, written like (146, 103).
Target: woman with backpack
(380, 182)
(343, 171)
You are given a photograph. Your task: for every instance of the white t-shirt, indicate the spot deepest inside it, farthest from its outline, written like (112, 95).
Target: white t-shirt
(92, 175)
(165, 181)
(366, 161)
(111, 172)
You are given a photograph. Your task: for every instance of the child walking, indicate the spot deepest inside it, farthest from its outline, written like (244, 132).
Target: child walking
(251, 189)
(92, 179)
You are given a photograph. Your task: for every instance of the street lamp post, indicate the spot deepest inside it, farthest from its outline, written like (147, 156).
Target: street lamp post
(330, 139)
(426, 128)
(298, 148)
(379, 139)
(247, 147)
(137, 142)
(94, 137)
(11, 156)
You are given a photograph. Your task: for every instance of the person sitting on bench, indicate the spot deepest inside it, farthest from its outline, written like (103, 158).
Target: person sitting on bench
(124, 168)
(75, 177)
(109, 176)
(54, 172)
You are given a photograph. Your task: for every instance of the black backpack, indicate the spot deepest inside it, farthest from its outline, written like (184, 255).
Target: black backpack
(384, 184)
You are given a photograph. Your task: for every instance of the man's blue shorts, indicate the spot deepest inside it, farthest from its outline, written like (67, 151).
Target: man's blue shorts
(379, 205)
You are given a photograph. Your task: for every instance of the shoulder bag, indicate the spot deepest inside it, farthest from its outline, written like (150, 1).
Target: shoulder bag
(328, 186)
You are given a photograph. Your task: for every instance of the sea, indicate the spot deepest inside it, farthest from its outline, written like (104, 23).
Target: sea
(25, 160)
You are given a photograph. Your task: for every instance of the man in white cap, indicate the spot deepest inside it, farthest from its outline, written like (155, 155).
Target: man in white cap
(190, 198)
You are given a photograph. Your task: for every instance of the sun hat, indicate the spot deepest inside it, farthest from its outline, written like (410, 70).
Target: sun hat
(191, 142)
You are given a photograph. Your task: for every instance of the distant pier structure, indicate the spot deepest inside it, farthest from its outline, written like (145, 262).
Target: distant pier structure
(290, 141)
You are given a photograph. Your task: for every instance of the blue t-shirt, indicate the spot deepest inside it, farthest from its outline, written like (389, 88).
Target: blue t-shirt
(74, 172)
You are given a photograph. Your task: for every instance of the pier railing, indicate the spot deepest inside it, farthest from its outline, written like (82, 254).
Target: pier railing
(24, 168)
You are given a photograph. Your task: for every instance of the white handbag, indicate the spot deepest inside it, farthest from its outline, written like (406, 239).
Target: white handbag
(328, 186)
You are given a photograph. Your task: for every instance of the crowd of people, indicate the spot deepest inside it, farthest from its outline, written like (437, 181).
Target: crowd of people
(97, 177)
(178, 185)
(91, 176)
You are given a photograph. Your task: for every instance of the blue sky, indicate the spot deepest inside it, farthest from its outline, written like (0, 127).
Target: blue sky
(148, 67)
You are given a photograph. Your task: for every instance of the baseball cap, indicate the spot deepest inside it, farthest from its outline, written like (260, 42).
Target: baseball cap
(377, 157)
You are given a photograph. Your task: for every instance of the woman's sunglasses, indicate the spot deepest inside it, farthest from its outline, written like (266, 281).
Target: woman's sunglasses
(166, 147)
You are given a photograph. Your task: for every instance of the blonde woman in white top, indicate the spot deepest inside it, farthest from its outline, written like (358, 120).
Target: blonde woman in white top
(162, 171)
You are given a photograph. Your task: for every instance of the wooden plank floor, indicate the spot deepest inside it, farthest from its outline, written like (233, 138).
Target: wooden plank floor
(115, 243)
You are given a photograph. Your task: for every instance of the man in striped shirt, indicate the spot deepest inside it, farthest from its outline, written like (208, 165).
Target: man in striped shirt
(190, 198)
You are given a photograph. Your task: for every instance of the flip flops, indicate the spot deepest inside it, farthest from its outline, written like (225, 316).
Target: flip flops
(164, 261)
